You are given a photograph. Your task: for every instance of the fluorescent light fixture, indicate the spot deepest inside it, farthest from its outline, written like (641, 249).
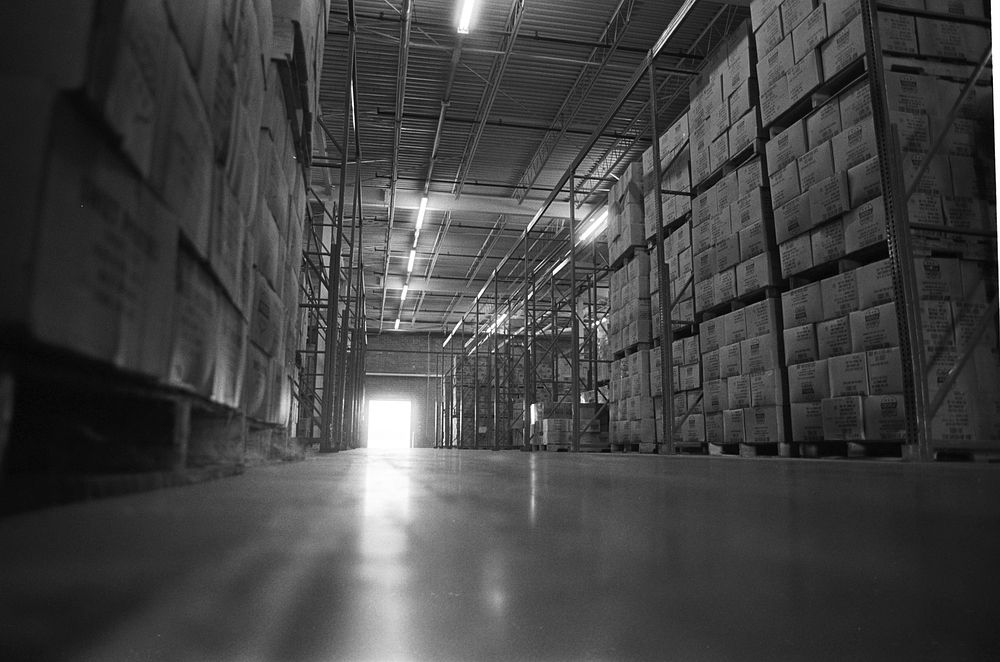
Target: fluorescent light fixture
(599, 223)
(416, 236)
(465, 17)
(421, 212)
(396, 327)
(402, 295)
(560, 266)
(409, 265)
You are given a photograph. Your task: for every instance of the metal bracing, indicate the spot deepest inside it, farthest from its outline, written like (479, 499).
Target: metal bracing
(494, 80)
(327, 443)
(577, 96)
(404, 53)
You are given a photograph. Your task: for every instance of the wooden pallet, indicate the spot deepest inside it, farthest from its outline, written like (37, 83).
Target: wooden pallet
(71, 429)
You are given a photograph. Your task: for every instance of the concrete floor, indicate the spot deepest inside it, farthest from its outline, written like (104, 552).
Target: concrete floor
(472, 555)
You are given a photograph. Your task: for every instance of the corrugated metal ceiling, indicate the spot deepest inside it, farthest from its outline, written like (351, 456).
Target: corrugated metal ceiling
(557, 43)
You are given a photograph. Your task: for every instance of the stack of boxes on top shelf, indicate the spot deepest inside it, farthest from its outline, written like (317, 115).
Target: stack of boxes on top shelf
(723, 117)
(158, 199)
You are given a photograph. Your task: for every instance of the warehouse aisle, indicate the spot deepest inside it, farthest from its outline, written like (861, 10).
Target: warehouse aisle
(469, 555)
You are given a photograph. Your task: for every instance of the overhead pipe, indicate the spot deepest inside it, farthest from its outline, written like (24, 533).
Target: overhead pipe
(401, 73)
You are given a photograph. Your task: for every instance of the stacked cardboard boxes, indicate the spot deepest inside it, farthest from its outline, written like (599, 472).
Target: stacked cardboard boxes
(723, 118)
(630, 314)
(731, 238)
(826, 184)
(744, 391)
(139, 142)
(626, 218)
(800, 44)
(630, 400)
(675, 175)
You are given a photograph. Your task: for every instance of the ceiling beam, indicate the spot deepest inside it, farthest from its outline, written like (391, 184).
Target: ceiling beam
(375, 198)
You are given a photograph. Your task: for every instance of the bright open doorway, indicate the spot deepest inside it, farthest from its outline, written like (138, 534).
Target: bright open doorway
(389, 424)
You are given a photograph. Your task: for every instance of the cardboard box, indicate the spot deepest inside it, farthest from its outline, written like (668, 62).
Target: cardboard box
(840, 294)
(885, 371)
(735, 325)
(843, 419)
(809, 382)
(786, 146)
(725, 285)
(794, 12)
(828, 242)
(810, 33)
(938, 326)
(729, 360)
(767, 388)
(764, 425)
(914, 131)
(751, 207)
(750, 176)
(727, 252)
(711, 332)
(807, 421)
(785, 184)
(955, 7)
(690, 376)
(711, 365)
(829, 198)
(885, 418)
(774, 100)
(762, 318)
(760, 354)
(741, 100)
(823, 124)
(692, 349)
(755, 273)
(795, 255)
(230, 355)
(843, 48)
(839, 13)
(865, 181)
(193, 345)
(804, 76)
(769, 34)
(705, 265)
(907, 92)
(752, 240)
(803, 305)
(88, 256)
(875, 284)
(855, 104)
(848, 375)
(732, 426)
(864, 225)
(949, 39)
(834, 337)
(938, 278)
(716, 395)
(815, 165)
(182, 164)
(714, 428)
(718, 152)
(874, 328)
(800, 344)
(897, 33)
(775, 64)
(738, 391)
(721, 224)
(744, 132)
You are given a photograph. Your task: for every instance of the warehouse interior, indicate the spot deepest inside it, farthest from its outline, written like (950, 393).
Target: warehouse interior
(499, 329)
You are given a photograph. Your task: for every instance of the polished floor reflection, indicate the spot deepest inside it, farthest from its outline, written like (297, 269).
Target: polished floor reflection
(472, 555)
